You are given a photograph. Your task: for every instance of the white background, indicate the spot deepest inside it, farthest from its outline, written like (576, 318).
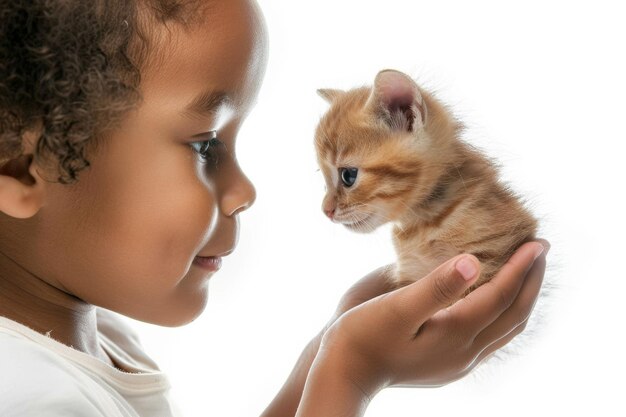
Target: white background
(540, 86)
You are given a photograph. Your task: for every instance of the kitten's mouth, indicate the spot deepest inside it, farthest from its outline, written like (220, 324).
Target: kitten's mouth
(358, 224)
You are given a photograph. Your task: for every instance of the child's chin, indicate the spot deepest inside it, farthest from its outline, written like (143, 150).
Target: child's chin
(183, 307)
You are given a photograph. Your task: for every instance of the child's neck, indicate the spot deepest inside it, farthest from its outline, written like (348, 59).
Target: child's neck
(28, 300)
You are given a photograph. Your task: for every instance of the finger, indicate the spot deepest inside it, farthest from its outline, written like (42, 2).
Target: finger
(486, 352)
(417, 302)
(520, 309)
(486, 303)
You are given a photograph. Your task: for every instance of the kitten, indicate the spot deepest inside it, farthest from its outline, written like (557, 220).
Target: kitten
(393, 153)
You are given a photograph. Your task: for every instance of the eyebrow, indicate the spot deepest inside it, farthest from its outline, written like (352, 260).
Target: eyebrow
(206, 104)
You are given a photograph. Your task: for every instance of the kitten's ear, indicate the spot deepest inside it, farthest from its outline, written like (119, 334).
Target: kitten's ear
(329, 94)
(396, 98)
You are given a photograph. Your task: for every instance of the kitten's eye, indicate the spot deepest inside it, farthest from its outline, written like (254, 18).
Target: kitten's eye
(206, 148)
(348, 175)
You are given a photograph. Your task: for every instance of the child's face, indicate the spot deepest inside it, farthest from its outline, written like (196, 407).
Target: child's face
(124, 237)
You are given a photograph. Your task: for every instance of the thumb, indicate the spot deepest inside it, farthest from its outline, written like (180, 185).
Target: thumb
(437, 290)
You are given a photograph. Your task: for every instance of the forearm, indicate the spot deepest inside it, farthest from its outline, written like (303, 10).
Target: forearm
(286, 401)
(329, 393)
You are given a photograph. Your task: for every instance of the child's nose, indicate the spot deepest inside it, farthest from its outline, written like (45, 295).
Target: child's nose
(240, 195)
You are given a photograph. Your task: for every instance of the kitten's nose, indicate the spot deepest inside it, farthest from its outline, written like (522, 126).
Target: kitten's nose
(328, 207)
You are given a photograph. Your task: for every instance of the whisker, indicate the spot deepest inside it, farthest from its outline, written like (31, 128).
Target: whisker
(369, 205)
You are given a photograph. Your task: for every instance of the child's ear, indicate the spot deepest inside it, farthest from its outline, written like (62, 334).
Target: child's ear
(396, 98)
(329, 94)
(22, 189)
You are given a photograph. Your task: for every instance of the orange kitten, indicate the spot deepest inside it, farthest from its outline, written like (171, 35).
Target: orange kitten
(393, 153)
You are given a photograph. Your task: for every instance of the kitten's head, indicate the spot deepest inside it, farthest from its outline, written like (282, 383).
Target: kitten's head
(380, 150)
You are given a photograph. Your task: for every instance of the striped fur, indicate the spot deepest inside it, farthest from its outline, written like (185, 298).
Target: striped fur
(442, 195)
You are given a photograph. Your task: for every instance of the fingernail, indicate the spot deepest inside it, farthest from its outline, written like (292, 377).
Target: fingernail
(466, 268)
(538, 251)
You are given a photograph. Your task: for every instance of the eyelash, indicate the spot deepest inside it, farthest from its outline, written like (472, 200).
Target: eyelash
(207, 149)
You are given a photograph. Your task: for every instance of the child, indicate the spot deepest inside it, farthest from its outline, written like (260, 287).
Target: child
(120, 192)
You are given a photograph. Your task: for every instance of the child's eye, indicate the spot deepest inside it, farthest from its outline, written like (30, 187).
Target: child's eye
(207, 148)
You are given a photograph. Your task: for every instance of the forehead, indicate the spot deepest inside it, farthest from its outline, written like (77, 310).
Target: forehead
(218, 60)
(346, 134)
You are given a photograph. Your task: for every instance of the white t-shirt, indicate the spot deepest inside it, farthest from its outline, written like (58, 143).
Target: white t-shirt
(42, 377)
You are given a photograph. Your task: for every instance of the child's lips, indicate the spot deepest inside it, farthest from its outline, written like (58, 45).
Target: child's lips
(211, 263)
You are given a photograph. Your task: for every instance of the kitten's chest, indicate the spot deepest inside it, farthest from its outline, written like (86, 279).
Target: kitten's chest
(419, 251)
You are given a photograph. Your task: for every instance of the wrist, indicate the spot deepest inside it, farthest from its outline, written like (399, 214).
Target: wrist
(286, 401)
(332, 388)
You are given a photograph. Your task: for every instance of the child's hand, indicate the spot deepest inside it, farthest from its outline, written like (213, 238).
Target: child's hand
(370, 286)
(408, 337)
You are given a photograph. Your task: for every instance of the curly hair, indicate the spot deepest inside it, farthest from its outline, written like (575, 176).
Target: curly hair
(70, 70)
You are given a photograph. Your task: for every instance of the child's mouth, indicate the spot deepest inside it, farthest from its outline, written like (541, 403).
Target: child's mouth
(211, 263)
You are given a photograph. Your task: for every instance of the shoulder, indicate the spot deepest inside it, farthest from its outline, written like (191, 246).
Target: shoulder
(36, 381)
